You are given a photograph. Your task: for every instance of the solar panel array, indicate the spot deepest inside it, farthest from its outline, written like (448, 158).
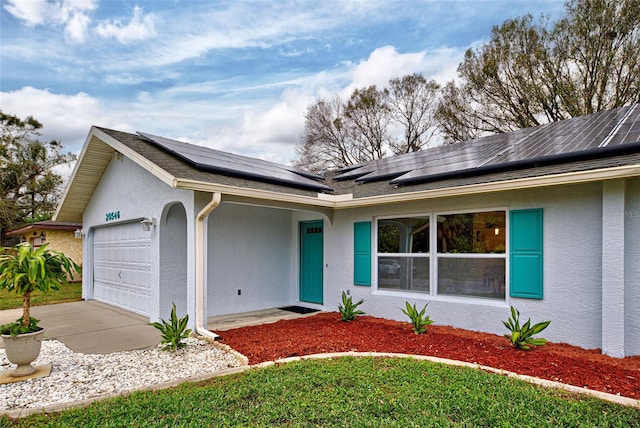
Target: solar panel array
(234, 165)
(599, 134)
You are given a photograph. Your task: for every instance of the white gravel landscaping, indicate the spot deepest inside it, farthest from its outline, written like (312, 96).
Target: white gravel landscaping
(76, 376)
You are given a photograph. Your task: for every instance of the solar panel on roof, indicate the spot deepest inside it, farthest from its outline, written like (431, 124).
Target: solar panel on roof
(573, 139)
(239, 166)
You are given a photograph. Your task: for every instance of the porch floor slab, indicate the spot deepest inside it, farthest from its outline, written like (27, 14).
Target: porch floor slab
(245, 319)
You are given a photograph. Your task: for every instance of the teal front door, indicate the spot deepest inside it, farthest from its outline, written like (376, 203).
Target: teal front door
(311, 261)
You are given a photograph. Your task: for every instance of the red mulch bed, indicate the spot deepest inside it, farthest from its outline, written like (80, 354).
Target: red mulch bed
(325, 332)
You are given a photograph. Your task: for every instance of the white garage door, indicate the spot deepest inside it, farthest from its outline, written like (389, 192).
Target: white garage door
(122, 267)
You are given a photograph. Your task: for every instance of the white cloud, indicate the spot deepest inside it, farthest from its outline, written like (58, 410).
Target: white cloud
(203, 113)
(276, 128)
(32, 12)
(384, 64)
(270, 130)
(77, 27)
(70, 14)
(66, 118)
(139, 28)
(205, 26)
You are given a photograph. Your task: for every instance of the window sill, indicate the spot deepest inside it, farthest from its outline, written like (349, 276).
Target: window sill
(499, 303)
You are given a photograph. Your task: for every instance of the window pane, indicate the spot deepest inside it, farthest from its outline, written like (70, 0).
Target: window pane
(472, 233)
(404, 273)
(403, 235)
(471, 277)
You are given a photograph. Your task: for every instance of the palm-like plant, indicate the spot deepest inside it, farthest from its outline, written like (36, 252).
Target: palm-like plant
(418, 320)
(173, 331)
(26, 269)
(348, 311)
(521, 337)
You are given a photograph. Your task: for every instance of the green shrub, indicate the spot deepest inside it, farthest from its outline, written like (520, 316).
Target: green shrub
(15, 328)
(347, 309)
(418, 320)
(173, 332)
(522, 337)
(25, 269)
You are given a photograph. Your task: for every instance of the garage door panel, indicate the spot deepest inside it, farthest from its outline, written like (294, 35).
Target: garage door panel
(122, 267)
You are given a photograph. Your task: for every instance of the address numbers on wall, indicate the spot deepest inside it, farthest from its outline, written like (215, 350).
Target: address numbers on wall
(115, 215)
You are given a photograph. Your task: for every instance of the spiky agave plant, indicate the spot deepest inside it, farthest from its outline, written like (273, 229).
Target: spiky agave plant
(174, 331)
(418, 320)
(521, 337)
(348, 311)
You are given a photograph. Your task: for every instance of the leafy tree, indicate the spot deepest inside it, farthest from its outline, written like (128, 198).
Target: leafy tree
(598, 44)
(29, 188)
(529, 74)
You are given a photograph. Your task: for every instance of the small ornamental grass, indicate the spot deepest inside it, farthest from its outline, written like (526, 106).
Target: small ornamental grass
(173, 332)
(348, 311)
(418, 320)
(521, 337)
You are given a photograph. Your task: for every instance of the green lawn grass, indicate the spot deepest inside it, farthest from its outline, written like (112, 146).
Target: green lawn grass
(68, 293)
(348, 392)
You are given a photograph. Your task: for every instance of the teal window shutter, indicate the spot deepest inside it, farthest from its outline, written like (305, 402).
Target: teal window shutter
(362, 253)
(525, 248)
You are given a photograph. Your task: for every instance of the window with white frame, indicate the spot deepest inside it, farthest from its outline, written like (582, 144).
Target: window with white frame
(469, 254)
(403, 254)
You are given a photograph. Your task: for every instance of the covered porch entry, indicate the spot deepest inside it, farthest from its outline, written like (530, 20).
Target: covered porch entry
(260, 257)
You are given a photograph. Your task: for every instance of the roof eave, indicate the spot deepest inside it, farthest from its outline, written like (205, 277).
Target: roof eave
(619, 172)
(72, 203)
(325, 201)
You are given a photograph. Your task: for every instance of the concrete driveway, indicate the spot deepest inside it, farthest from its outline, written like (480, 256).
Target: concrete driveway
(91, 327)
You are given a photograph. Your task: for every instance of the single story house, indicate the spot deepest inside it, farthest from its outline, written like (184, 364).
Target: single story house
(546, 219)
(61, 236)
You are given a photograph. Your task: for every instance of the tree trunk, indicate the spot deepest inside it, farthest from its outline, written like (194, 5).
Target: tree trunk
(26, 309)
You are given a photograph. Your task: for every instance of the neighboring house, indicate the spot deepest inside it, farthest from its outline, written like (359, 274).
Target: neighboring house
(61, 236)
(546, 219)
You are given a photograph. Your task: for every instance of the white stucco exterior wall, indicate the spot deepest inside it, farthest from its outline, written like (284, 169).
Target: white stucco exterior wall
(255, 249)
(572, 265)
(136, 193)
(632, 268)
(248, 249)
(613, 234)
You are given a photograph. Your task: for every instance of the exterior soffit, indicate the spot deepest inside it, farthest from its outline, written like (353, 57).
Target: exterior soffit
(94, 158)
(329, 202)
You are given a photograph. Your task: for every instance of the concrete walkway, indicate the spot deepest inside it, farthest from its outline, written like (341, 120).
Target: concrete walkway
(91, 327)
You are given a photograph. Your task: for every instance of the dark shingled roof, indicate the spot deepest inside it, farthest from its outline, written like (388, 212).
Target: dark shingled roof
(602, 134)
(206, 159)
(182, 169)
(601, 140)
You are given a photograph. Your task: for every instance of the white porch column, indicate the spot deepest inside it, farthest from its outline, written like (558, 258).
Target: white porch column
(613, 206)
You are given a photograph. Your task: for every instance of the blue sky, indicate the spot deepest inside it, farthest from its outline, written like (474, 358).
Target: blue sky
(231, 75)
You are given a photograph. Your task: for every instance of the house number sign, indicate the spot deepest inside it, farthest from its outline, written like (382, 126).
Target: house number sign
(115, 215)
